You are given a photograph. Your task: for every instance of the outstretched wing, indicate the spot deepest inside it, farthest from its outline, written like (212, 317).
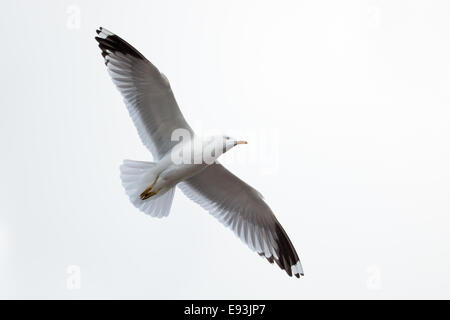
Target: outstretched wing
(146, 92)
(242, 208)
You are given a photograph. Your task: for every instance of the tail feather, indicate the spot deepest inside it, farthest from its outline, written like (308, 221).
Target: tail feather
(136, 176)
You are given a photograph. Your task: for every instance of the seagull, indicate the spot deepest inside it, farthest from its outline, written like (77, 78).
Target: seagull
(187, 162)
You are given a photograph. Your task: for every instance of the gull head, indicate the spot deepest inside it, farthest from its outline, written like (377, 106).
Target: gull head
(218, 145)
(227, 142)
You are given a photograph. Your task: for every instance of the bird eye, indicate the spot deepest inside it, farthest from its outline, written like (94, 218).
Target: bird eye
(228, 138)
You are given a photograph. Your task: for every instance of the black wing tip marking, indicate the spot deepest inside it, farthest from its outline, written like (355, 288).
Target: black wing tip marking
(287, 256)
(109, 43)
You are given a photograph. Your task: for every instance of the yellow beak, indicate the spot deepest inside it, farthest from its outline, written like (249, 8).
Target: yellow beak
(242, 142)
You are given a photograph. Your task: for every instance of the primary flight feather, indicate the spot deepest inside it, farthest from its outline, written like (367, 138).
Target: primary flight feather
(151, 185)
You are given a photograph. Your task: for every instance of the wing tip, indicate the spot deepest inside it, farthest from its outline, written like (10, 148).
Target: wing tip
(110, 43)
(293, 270)
(297, 269)
(103, 33)
(288, 259)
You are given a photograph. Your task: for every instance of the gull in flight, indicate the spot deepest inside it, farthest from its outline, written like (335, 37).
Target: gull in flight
(151, 185)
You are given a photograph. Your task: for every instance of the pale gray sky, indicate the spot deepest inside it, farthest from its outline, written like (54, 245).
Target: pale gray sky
(349, 99)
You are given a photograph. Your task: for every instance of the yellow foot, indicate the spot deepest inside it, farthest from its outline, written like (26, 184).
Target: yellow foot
(147, 191)
(146, 195)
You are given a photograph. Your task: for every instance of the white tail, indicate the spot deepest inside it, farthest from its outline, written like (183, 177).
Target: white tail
(136, 176)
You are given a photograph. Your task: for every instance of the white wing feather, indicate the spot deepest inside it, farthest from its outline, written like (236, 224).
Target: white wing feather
(241, 208)
(146, 92)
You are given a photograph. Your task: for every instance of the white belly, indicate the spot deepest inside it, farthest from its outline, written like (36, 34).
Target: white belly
(170, 173)
(174, 173)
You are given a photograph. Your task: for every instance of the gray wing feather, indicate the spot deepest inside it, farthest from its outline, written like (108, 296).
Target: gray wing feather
(146, 92)
(241, 208)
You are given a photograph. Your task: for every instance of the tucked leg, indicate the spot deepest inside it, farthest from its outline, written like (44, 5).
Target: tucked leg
(148, 192)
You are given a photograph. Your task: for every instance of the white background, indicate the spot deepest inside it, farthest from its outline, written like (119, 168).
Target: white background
(355, 95)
